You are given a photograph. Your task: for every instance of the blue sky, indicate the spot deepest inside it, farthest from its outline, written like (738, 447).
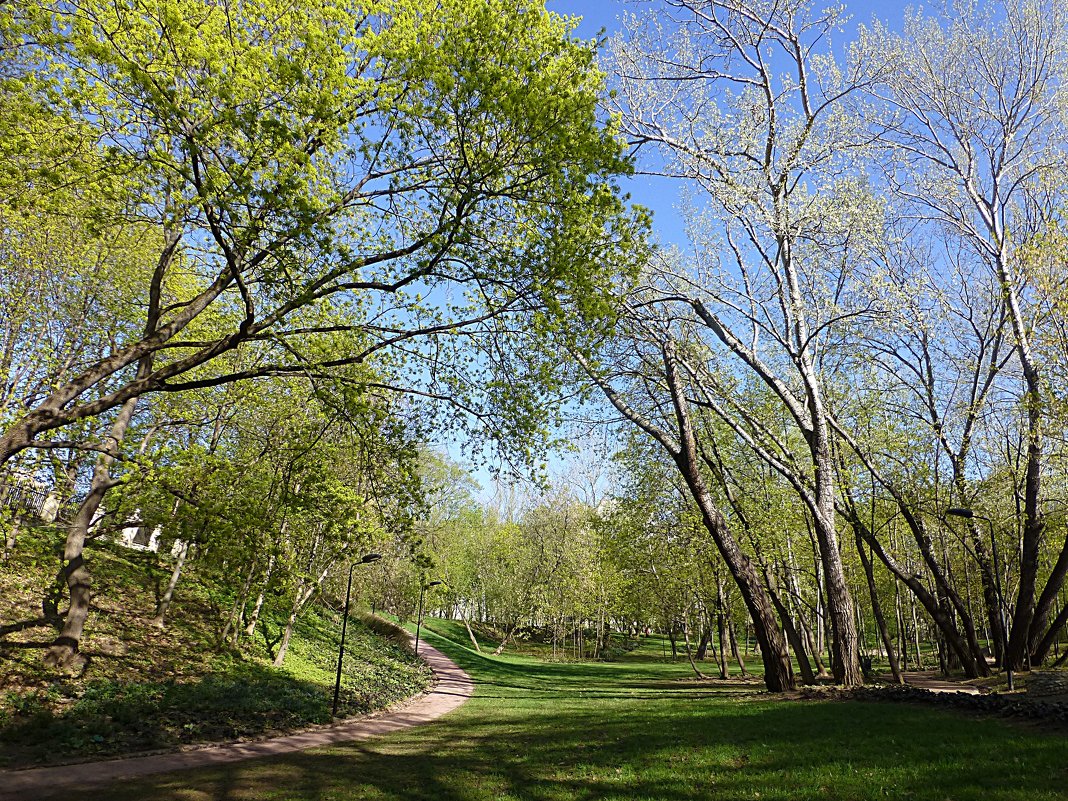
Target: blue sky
(658, 194)
(597, 14)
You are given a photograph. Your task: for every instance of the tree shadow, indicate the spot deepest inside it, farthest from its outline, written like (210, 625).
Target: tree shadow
(670, 751)
(122, 718)
(32, 623)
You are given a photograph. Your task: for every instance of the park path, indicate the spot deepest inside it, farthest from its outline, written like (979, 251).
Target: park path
(452, 688)
(932, 680)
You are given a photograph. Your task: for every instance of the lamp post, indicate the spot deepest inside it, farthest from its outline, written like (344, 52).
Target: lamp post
(969, 514)
(419, 617)
(367, 559)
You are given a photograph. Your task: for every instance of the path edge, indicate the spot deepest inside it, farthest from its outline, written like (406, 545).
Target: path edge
(453, 686)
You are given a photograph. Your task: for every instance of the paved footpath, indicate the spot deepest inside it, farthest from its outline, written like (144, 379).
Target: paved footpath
(932, 680)
(452, 689)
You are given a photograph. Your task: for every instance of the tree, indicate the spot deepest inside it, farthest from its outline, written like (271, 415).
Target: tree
(746, 102)
(326, 184)
(670, 570)
(628, 372)
(976, 104)
(306, 160)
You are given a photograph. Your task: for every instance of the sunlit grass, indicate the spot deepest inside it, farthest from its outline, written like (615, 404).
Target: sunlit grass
(642, 728)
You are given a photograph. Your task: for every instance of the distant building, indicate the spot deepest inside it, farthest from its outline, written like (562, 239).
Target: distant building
(24, 494)
(138, 536)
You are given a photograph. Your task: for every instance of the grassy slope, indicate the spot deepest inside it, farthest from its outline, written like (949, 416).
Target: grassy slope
(147, 689)
(643, 729)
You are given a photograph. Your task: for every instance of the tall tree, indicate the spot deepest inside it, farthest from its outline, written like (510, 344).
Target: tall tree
(631, 374)
(976, 102)
(327, 183)
(321, 157)
(746, 102)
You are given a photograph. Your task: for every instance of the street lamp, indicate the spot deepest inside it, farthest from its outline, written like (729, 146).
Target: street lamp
(969, 514)
(367, 559)
(419, 617)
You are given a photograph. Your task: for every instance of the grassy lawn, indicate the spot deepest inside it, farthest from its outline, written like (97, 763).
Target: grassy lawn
(643, 729)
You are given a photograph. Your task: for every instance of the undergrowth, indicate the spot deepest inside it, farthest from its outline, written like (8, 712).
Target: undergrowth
(146, 689)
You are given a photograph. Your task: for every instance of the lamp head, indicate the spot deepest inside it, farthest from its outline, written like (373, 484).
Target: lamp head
(371, 557)
(957, 511)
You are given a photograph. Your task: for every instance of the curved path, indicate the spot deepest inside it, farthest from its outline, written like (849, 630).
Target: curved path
(452, 689)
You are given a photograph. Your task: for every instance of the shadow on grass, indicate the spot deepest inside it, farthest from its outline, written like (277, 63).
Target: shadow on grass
(114, 718)
(633, 676)
(564, 744)
(676, 752)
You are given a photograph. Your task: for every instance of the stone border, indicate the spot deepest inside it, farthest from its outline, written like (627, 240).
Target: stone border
(1006, 705)
(452, 689)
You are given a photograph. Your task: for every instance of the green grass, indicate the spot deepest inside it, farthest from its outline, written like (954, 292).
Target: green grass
(149, 690)
(641, 728)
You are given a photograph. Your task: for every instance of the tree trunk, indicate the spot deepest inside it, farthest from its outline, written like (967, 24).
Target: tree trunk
(916, 635)
(508, 636)
(815, 426)
(877, 611)
(724, 672)
(287, 634)
(689, 653)
(810, 641)
(176, 573)
(12, 536)
(237, 611)
(965, 648)
(991, 604)
(902, 637)
(797, 634)
(794, 638)
(474, 642)
(305, 590)
(46, 416)
(1061, 659)
(702, 646)
(1020, 636)
(734, 649)
(1051, 636)
(254, 618)
(845, 646)
(684, 452)
(970, 659)
(949, 600)
(777, 674)
(777, 671)
(63, 653)
(1043, 634)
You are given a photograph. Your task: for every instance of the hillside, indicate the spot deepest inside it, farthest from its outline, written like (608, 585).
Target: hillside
(149, 689)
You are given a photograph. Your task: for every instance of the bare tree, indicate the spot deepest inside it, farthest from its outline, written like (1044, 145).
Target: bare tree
(975, 146)
(745, 101)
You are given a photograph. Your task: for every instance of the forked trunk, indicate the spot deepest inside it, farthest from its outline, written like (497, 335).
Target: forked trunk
(507, 637)
(63, 653)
